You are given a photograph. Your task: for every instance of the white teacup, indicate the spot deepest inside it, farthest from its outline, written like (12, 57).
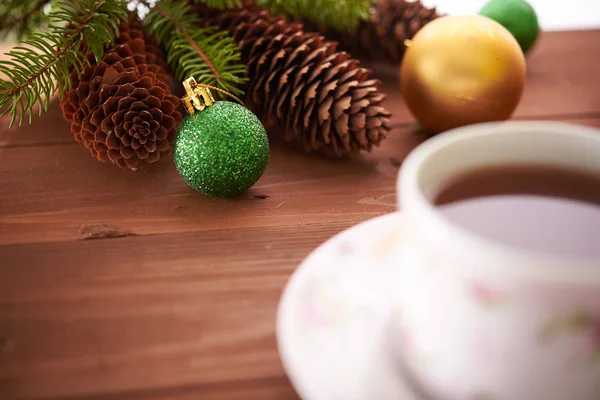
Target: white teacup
(482, 320)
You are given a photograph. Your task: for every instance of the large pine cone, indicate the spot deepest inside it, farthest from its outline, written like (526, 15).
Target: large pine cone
(318, 96)
(121, 108)
(382, 37)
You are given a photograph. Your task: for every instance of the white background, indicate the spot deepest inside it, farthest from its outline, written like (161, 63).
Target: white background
(552, 14)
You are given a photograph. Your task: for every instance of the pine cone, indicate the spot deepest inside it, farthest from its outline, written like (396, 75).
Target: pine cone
(319, 97)
(382, 37)
(121, 108)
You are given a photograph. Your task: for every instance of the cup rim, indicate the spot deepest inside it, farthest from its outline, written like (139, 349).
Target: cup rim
(522, 262)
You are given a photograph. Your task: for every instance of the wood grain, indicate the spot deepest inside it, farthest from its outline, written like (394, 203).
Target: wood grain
(118, 285)
(171, 310)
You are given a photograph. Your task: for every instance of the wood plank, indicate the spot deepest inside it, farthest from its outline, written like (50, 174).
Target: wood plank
(268, 388)
(139, 313)
(49, 129)
(57, 193)
(60, 193)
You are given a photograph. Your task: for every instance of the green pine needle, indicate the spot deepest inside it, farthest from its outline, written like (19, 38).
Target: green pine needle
(221, 4)
(22, 17)
(41, 66)
(338, 14)
(211, 57)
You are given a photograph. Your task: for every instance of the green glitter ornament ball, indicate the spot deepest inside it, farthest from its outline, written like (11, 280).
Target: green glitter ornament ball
(518, 16)
(221, 151)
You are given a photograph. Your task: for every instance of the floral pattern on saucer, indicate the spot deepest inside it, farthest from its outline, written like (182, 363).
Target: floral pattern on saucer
(485, 295)
(323, 309)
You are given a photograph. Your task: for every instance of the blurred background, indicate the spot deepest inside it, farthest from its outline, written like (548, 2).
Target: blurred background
(552, 14)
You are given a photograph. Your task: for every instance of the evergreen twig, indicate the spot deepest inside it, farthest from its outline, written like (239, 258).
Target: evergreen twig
(209, 56)
(338, 14)
(20, 16)
(42, 66)
(221, 3)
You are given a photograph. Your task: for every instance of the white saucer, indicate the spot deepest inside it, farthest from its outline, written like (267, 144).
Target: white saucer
(334, 325)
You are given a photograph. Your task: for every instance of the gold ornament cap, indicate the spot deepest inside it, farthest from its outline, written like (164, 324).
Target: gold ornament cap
(198, 96)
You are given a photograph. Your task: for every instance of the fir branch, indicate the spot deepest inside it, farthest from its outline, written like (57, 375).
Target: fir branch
(21, 16)
(209, 56)
(221, 4)
(338, 14)
(42, 67)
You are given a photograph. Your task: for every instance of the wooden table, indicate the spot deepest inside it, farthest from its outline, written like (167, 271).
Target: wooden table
(121, 285)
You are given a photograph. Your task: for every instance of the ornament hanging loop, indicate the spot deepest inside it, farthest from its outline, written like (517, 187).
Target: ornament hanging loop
(198, 95)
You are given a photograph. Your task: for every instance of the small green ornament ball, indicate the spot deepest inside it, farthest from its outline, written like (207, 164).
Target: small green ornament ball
(221, 151)
(518, 17)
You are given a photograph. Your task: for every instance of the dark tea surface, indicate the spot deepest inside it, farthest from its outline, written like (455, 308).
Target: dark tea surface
(540, 208)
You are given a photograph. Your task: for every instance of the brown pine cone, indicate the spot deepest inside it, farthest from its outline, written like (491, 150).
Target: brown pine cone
(121, 108)
(382, 37)
(318, 96)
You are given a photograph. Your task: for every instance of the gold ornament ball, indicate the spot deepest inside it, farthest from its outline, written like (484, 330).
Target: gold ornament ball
(462, 70)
